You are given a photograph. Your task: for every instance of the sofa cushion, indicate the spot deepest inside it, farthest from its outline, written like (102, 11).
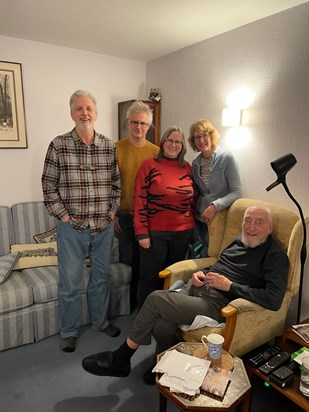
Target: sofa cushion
(45, 237)
(34, 255)
(29, 219)
(7, 263)
(15, 293)
(44, 280)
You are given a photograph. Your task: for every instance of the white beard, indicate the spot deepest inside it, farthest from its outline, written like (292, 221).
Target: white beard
(252, 244)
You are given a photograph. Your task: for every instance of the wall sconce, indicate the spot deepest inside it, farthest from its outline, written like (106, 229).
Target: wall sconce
(281, 167)
(231, 117)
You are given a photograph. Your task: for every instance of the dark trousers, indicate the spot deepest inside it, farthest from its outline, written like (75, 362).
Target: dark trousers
(166, 248)
(163, 311)
(129, 252)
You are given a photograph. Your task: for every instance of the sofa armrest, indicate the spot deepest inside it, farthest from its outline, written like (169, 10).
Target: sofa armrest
(183, 270)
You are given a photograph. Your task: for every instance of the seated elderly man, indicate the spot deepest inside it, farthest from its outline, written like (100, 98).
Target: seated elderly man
(254, 267)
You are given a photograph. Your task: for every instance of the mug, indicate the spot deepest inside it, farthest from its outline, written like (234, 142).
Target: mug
(214, 343)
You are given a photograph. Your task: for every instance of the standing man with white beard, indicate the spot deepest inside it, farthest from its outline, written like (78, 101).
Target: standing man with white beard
(81, 189)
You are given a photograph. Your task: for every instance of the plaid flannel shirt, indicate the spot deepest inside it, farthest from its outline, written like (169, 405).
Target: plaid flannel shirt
(81, 181)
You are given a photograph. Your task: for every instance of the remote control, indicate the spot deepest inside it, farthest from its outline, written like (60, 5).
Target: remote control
(263, 357)
(293, 365)
(275, 362)
(282, 376)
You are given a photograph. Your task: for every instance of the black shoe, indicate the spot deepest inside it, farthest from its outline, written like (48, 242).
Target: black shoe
(149, 377)
(112, 331)
(68, 344)
(100, 364)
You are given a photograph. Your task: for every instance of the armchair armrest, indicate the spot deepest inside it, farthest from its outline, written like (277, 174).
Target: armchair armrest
(184, 270)
(243, 305)
(230, 313)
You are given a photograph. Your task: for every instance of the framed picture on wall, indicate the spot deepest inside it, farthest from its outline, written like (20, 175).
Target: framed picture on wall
(153, 134)
(12, 112)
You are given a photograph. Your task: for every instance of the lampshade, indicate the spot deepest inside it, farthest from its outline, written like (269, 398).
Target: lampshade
(281, 167)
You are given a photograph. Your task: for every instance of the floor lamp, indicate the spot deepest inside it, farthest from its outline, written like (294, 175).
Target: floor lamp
(281, 167)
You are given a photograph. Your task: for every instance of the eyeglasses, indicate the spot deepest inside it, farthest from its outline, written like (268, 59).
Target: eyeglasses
(175, 142)
(202, 136)
(136, 123)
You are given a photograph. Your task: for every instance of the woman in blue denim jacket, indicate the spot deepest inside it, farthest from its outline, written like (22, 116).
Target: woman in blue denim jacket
(216, 177)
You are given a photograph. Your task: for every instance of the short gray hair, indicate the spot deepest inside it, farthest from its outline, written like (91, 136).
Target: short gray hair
(140, 107)
(166, 134)
(82, 93)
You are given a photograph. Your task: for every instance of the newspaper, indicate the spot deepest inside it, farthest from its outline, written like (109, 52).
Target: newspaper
(181, 372)
(302, 330)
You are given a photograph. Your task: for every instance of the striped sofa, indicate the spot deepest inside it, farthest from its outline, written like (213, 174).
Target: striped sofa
(29, 297)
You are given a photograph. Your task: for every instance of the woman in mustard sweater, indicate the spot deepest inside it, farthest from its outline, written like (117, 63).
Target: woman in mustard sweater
(163, 210)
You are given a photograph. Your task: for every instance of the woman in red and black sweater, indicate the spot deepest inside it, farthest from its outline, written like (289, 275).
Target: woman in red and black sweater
(163, 210)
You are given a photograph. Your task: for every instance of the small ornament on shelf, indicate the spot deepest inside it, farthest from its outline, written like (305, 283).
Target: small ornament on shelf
(155, 94)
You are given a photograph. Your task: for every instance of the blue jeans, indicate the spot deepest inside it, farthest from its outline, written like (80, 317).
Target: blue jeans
(73, 246)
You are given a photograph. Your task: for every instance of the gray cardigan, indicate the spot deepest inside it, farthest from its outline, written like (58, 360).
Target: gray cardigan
(224, 183)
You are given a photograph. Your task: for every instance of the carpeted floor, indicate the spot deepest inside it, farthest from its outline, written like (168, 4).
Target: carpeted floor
(41, 378)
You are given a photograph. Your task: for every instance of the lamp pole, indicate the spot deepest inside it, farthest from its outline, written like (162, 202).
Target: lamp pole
(303, 252)
(281, 167)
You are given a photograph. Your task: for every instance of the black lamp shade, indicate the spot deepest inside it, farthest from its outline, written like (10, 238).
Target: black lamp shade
(284, 164)
(281, 166)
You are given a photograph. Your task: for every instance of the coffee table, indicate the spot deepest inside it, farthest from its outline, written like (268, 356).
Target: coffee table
(237, 392)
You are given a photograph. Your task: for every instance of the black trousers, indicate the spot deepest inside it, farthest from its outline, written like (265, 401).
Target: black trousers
(129, 252)
(166, 248)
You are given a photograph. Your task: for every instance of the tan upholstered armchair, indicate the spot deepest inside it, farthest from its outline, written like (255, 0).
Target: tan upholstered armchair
(248, 325)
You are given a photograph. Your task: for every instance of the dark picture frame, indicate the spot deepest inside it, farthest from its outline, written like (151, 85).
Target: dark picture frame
(12, 111)
(153, 134)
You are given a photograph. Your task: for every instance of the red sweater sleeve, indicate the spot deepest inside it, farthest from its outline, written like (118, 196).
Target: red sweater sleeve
(140, 204)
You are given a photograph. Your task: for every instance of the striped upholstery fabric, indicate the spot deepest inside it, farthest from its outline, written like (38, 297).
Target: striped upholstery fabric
(44, 283)
(16, 328)
(29, 298)
(30, 218)
(6, 230)
(44, 280)
(119, 301)
(15, 293)
(47, 321)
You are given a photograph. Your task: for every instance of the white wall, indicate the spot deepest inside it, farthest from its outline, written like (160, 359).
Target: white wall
(271, 58)
(50, 75)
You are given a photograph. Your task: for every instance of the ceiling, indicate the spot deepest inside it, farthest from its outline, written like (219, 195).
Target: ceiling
(141, 30)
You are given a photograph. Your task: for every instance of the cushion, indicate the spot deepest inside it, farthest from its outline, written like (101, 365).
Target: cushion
(46, 237)
(7, 263)
(33, 255)
(15, 294)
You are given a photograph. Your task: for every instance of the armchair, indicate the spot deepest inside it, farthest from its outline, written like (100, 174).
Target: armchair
(248, 325)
